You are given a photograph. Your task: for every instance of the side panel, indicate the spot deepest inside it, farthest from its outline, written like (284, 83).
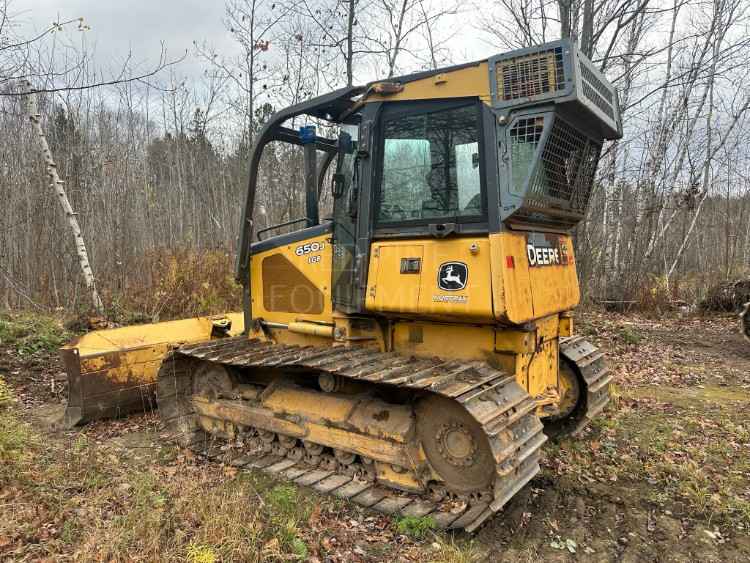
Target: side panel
(531, 355)
(453, 281)
(555, 287)
(394, 291)
(542, 365)
(511, 285)
(533, 274)
(455, 342)
(293, 282)
(464, 82)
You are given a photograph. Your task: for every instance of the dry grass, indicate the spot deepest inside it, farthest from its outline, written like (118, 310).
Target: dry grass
(690, 460)
(677, 430)
(77, 500)
(170, 284)
(81, 497)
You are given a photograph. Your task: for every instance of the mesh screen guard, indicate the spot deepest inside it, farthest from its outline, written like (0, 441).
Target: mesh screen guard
(552, 170)
(556, 73)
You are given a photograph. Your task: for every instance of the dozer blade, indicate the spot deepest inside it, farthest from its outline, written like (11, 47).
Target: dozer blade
(112, 372)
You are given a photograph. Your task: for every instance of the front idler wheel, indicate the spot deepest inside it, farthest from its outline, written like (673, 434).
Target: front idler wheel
(455, 444)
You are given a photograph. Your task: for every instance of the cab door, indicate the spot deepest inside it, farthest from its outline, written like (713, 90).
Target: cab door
(345, 202)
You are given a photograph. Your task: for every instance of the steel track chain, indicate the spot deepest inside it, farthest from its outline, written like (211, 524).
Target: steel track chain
(596, 376)
(503, 409)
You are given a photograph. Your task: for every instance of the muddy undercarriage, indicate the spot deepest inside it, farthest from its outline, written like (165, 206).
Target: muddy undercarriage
(451, 439)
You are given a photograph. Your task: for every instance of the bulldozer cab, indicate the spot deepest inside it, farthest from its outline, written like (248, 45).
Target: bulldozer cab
(499, 154)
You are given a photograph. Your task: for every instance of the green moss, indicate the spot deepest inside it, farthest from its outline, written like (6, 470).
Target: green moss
(415, 526)
(283, 498)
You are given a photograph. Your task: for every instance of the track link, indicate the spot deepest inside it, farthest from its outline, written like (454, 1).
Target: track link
(589, 361)
(505, 412)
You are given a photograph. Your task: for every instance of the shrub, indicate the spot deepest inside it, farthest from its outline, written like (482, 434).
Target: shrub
(31, 333)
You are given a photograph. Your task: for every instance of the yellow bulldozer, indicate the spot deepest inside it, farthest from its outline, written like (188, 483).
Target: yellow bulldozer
(407, 352)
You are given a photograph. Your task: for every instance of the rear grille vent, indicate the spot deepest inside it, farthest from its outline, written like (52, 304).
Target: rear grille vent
(530, 75)
(596, 91)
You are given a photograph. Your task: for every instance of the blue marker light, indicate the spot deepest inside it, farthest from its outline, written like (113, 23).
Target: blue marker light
(307, 134)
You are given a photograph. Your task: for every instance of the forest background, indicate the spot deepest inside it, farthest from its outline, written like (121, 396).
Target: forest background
(154, 154)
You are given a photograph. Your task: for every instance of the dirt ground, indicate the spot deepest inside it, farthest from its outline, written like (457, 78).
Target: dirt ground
(664, 475)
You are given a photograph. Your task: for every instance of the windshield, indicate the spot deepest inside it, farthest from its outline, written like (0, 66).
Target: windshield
(431, 166)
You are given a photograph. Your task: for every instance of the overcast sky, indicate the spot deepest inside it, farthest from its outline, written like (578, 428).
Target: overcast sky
(140, 26)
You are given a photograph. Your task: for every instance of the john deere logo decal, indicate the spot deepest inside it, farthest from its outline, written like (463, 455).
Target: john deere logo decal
(546, 250)
(453, 276)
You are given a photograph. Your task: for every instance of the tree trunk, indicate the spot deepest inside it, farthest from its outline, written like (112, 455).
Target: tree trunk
(57, 184)
(587, 30)
(563, 7)
(350, 44)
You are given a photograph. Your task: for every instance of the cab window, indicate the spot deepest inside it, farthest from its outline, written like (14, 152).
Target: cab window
(430, 167)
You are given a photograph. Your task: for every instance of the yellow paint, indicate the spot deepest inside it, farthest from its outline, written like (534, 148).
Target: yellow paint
(259, 417)
(523, 293)
(130, 367)
(356, 330)
(317, 271)
(511, 287)
(385, 293)
(541, 368)
(118, 360)
(367, 416)
(370, 428)
(471, 81)
(516, 341)
(118, 339)
(532, 354)
(325, 331)
(367, 446)
(242, 414)
(390, 291)
(547, 328)
(311, 405)
(132, 354)
(568, 390)
(566, 324)
(387, 421)
(404, 480)
(449, 341)
(555, 288)
(285, 336)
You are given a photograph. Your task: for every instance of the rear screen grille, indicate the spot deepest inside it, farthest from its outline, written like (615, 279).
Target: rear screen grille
(566, 169)
(524, 136)
(530, 75)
